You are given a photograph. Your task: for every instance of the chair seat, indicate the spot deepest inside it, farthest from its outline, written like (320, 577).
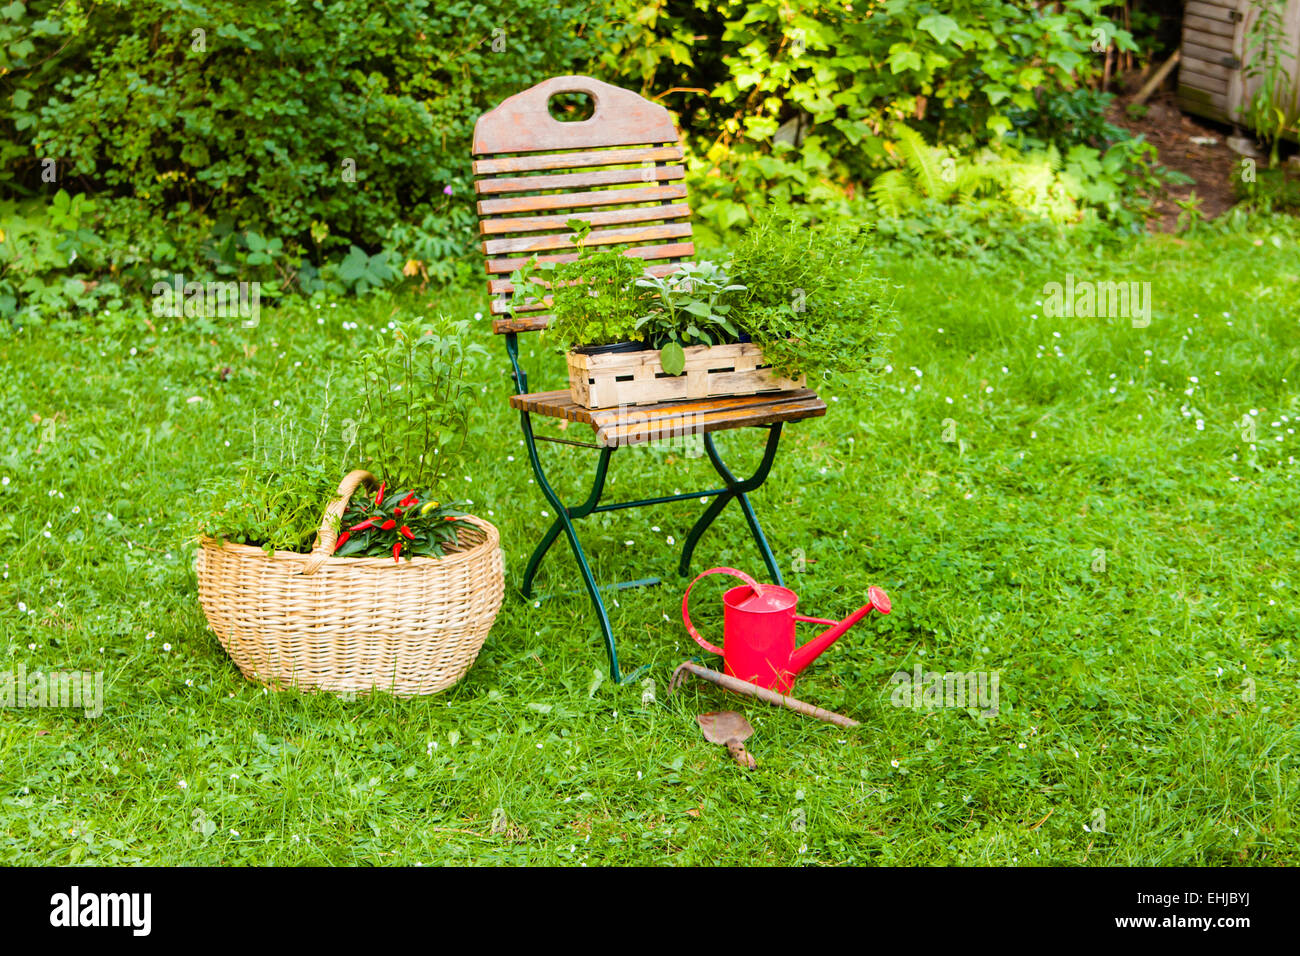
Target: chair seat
(636, 424)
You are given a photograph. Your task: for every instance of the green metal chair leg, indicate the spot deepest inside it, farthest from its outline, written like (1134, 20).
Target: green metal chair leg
(539, 552)
(756, 530)
(563, 519)
(581, 511)
(740, 491)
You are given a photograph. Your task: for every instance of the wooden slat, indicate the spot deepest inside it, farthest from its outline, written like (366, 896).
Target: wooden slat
(617, 427)
(1223, 28)
(609, 217)
(676, 250)
(1210, 11)
(1211, 41)
(597, 177)
(601, 157)
(637, 432)
(1194, 51)
(1203, 103)
(599, 237)
(499, 287)
(600, 197)
(524, 323)
(1193, 65)
(1211, 84)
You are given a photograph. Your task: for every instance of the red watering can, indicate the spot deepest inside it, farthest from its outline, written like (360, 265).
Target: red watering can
(758, 630)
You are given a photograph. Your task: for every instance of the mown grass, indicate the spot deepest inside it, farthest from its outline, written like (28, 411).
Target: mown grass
(1147, 710)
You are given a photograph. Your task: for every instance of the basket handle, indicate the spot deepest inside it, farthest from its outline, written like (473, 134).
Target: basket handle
(329, 522)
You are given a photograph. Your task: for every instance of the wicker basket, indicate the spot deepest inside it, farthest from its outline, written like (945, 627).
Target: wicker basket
(313, 621)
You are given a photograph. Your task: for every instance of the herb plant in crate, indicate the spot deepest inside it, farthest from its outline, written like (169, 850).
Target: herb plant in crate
(400, 587)
(789, 300)
(632, 337)
(811, 301)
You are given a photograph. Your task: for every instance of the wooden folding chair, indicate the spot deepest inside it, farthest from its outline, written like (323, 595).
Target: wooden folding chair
(619, 171)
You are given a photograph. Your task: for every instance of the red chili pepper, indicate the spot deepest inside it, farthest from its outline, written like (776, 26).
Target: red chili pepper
(343, 538)
(406, 533)
(408, 500)
(380, 497)
(451, 518)
(397, 512)
(363, 525)
(397, 551)
(388, 525)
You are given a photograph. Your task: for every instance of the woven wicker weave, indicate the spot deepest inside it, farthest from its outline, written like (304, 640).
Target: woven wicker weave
(314, 621)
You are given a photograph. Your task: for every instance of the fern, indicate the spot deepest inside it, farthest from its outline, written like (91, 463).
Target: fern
(893, 192)
(923, 162)
(1031, 182)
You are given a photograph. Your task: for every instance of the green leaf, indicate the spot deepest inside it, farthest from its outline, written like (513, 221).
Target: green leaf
(939, 26)
(902, 58)
(673, 358)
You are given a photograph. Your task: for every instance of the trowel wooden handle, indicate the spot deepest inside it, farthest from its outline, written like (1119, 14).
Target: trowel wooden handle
(740, 754)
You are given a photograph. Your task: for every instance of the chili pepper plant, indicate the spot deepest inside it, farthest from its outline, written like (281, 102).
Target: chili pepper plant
(397, 523)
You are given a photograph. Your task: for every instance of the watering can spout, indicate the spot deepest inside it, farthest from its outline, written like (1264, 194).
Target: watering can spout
(803, 656)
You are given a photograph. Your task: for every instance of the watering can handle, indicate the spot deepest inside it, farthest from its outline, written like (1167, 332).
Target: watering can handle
(686, 617)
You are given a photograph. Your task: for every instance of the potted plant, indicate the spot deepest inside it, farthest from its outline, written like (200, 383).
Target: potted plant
(398, 587)
(811, 301)
(788, 300)
(595, 299)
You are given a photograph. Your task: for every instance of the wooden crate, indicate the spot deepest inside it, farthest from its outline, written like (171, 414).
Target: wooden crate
(638, 378)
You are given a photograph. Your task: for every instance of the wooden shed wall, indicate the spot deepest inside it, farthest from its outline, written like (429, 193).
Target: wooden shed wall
(1211, 79)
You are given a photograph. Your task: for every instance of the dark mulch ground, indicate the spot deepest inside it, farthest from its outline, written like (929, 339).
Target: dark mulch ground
(1212, 166)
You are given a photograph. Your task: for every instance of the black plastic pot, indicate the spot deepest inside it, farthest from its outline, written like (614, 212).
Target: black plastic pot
(612, 347)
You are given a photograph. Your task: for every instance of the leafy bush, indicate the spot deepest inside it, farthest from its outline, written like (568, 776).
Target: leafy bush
(40, 244)
(1043, 184)
(1272, 190)
(326, 150)
(794, 101)
(318, 129)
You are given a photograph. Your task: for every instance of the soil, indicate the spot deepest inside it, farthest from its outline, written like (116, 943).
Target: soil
(1211, 164)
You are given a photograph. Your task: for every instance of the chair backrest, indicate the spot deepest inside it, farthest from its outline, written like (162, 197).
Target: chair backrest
(619, 170)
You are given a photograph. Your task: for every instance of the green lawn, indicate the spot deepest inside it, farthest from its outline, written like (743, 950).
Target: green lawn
(1149, 693)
